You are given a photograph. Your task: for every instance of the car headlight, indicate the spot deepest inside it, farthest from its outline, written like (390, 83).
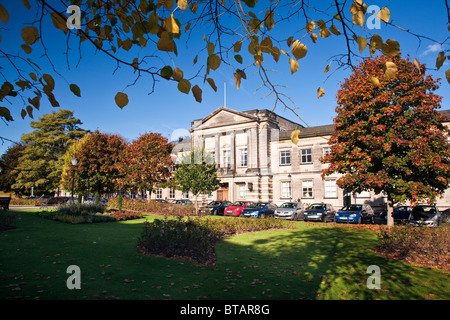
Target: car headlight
(353, 215)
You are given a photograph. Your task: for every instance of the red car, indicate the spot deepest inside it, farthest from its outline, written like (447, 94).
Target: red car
(236, 208)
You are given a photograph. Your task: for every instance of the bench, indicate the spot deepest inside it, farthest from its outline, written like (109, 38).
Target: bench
(4, 203)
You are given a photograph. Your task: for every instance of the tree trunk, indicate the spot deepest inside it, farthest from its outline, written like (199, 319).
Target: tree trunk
(390, 211)
(196, 210)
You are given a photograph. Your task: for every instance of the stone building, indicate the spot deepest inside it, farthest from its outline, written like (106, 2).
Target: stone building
(257, 160)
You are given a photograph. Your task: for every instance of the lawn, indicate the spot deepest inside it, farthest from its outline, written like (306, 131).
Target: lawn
(311, 261)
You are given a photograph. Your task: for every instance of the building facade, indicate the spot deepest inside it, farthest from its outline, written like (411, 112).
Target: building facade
(257, 161)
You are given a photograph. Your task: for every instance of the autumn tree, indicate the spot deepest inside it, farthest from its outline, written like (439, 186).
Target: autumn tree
(146, 162)
(197, 173)
(389, 136)
(99, 156)
(152, 38)
(40, 165)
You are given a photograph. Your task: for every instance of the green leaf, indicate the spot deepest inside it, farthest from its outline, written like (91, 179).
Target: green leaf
(166, 72)
(184, 86)
(75, 90)
(214, 61)
(238, 58)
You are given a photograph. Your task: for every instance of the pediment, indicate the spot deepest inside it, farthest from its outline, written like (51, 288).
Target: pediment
(224, 116)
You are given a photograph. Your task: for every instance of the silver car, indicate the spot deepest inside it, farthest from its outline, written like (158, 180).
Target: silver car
(290, 211)
(426, 215)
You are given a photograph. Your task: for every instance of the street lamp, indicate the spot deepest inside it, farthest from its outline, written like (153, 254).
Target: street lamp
(74, 161)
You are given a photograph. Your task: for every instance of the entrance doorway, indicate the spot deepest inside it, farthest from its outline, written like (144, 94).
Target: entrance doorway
(222, 193)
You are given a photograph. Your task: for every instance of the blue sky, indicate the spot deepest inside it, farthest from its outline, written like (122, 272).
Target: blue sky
(167, 109)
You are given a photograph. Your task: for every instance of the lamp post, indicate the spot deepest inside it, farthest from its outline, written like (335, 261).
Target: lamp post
(74, 161)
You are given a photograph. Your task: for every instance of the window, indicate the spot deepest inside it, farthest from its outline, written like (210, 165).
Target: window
(242, 191)
(307, 189)
(285, 158)
(226, 158)
(243, 157)
(286, 190)
(185, 195)
(326, 151)
(306, 156)
(159, 193)
(330, 189)
(171, 193)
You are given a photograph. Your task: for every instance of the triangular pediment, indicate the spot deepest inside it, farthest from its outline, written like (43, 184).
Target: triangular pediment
(224, 116)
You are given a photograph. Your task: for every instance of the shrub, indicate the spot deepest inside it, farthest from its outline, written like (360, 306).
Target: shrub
(24, 202)
(194, 237)
(80, 209)
(151, 207)
(416, 244)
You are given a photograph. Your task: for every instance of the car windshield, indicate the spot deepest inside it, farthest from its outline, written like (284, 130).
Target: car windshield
(252, 205)
(214, 203)
(238, 204)
(289, 205)
(353, 207)
(317, 207)
(261, 205)
(423, 212)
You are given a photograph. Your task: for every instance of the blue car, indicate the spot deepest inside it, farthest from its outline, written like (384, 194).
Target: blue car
(355, 213)
(400, 213)
(259, 210)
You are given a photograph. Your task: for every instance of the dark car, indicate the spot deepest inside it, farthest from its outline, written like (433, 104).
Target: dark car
(215, 208)
(427, 215)
(259, 210)
(184, 202)
(444, 217)
(400, 213)
(355, 213)
(320, 212)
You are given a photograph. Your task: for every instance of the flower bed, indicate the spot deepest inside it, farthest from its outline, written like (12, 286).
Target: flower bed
(152, 207)
(193, 238)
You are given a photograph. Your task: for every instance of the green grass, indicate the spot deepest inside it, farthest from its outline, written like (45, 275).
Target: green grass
(312, 261)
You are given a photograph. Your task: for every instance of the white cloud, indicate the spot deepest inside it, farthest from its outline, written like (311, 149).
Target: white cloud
(432, 48)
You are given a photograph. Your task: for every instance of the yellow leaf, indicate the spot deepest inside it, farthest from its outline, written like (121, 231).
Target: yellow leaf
(320, 93)
(165, 43)
(294, 65)
(384, 14)
(390, 70)
(375, 43)
(391, 48)
(440, 59)
(269, 22)
(327, 68)
(4, 16)
(237, 46)
(358, 18)
(177, 74)
(324, 33)
(168, 4)
(29, 35)
(59, 22)
(212, 84)
(314, 37)
(214, 61)
(310, 26)
(26, 4)
(295, 136)
(362, 43)
(171, 25)
(447, 75)
(26, 48)
(182, 4)
(299, 49)
(197, 92)
(237, 80)
(375, 81)
(335, 30)
(184, 86)
(121, 99)
(417, 64)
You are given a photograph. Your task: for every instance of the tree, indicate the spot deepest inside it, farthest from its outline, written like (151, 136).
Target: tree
(41, 163)
(150, 37)
(99, 156)
(197, 173)
(8, 163)
(146, 162)
(389, 136)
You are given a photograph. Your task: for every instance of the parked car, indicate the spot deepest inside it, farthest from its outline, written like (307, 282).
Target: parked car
(320, 212)
(215, 208)
(259, 210)
(427, 215)
(355, 213)
(103, 201)
(236, 208)
(444, 217)
(290, 211)
(400, 213)
(184, 202)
